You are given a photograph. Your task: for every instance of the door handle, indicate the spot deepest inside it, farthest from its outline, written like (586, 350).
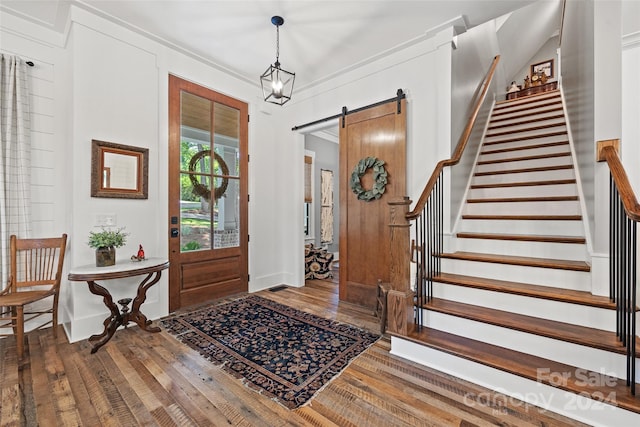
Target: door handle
(175, 232)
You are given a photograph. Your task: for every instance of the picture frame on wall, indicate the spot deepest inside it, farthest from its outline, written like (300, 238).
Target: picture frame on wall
(545, 66)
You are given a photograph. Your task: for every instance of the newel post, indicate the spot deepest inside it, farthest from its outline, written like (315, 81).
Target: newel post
(400, 296)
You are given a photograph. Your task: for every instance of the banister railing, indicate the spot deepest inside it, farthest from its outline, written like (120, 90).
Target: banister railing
(428, 215)
(624, 215)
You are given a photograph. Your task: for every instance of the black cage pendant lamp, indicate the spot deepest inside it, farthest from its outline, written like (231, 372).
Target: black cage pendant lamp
(277, 83)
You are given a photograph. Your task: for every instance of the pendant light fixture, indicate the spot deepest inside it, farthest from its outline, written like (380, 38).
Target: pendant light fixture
(277, 83)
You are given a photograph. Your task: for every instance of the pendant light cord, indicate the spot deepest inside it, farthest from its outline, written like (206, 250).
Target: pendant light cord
(277, 43)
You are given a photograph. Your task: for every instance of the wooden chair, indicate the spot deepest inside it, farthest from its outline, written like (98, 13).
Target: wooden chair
(35, 274)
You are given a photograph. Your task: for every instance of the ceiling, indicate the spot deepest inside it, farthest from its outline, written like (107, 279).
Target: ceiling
(318, 40)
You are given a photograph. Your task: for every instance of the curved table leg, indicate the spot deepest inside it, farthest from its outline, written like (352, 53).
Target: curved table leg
(117, 318)
(111, 323)
(136, 315)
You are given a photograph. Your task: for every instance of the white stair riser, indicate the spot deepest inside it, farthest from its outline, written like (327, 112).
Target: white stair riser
(539, 113)
(545, 151)
(498, 138)
(524, 191)
(571, 354)
(538, 227)
(591, 411)
(525, 123)
(568, 251)
(548, 112)
(591, 317)
(524, 143)
(526, 103)
(523, 164)
(503, 178)
(567, 279)
(523, 208)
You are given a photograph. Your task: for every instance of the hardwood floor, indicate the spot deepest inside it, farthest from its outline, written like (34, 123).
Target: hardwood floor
(140, 378)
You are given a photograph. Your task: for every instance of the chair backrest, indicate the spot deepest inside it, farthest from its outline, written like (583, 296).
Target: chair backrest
(36, 262)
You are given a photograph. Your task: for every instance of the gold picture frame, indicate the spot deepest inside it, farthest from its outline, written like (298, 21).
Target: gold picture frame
(545, 66)
(119, 171)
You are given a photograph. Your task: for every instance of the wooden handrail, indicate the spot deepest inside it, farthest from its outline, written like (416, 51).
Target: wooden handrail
(462, 143)
(629, 200)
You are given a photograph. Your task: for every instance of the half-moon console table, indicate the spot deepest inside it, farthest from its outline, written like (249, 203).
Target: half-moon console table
(152, 267)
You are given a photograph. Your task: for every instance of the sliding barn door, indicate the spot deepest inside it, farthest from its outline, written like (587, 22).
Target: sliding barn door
(378, 132)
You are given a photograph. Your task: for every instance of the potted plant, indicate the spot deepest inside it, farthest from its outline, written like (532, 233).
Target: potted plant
(105, 243)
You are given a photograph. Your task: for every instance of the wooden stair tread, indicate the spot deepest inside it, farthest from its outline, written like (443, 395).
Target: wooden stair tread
(604, 388)
(536, 97)
(526, 147)
(525, 217)
(527, 117)
(525, 199)
(523, 237)
(525, 289)
(525, 170)
(501, 110)
(524, 183)
(552, 95)
(525, 158)
(525, 138)
(576, 334)
(529, 129)
(558, 264)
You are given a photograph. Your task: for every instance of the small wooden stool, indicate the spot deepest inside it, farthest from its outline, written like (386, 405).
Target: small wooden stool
(381, 304)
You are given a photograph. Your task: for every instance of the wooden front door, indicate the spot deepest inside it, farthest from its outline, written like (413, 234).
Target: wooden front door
(208, 194)
(378, 132)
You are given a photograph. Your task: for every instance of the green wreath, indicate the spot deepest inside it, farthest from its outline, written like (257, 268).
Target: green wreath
(202, 190)
(379, 178)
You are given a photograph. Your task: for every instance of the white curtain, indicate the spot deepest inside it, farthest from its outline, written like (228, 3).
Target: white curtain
(15, 156)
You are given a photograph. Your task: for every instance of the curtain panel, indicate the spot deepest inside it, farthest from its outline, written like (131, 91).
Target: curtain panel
(15, 156)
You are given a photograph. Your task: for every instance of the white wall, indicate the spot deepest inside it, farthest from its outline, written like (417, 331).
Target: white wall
(113, 97)
(630, 144)
(471, 60)
(548, 51)
(591, 81)
(522, 33)
(577, 57)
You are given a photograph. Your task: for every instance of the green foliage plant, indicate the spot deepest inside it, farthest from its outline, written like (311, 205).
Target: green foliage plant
(191, 246)
(107, 238)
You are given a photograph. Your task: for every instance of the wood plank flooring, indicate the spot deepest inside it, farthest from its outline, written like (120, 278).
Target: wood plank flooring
(146, 379)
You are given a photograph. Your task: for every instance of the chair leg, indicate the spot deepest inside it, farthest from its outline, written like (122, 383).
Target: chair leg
(19, 326)
(54, 317)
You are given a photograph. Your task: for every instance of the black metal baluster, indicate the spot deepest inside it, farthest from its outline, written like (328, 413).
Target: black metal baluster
(611, 237)
(634, 272)
(626, 271)
(434, 236)
(623, 277)
(618, 267)
(422, 265)
(419, 265)
(432, 246)
(440, 227)
(416, 300)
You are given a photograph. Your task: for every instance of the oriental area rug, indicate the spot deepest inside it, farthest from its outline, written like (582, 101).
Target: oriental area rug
(283, 353)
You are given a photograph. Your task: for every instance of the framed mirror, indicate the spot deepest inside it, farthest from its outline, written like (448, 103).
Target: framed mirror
(119, 171)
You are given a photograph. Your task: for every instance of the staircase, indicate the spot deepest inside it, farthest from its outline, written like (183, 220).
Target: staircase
(511, 307)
